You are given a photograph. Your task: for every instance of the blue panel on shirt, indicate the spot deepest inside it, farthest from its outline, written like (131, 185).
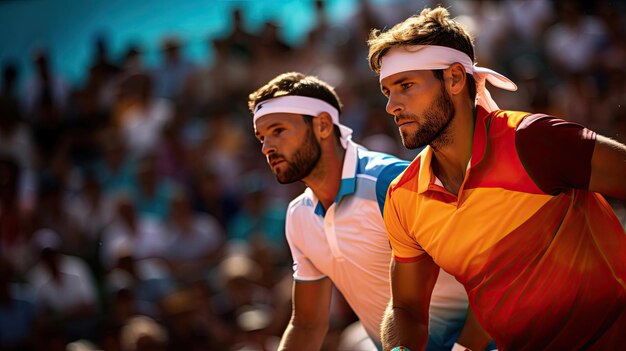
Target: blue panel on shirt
(385, 168)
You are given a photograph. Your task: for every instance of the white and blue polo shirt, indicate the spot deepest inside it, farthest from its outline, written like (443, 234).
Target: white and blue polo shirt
(348, 244)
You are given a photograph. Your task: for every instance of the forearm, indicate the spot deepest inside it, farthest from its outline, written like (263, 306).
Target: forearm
(608, 168)
(473, 336)
(401, 328)
(300, 337)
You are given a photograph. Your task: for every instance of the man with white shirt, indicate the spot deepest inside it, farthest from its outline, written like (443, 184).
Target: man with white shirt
(335, 228)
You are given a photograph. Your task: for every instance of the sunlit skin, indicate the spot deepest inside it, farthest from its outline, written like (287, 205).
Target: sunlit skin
(289, 146)
(296, 151)
(421, 107)
(428, 111)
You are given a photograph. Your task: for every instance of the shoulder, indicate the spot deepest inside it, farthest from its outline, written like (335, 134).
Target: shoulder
(500, 119)
(409, 177)
(378, 164)
(301, 203)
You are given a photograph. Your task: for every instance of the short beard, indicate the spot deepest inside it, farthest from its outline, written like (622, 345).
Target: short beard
(435, 127)
(304, 161)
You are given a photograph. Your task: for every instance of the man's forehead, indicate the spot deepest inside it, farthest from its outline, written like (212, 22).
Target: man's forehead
(399, 77)
(276, 118)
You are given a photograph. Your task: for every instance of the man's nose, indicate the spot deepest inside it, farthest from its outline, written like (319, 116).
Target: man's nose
(393, 107)
(268, 147)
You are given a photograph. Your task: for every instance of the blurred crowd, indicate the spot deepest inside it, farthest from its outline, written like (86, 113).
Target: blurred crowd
(137, 212)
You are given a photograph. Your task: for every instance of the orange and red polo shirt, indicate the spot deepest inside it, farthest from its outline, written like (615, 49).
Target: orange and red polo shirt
(543, 261)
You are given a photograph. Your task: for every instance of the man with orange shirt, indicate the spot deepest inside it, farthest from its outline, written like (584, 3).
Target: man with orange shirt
(507, 202)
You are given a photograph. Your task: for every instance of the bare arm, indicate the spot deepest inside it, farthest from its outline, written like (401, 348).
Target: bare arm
(309, 319)
(608, 168)
(473, 336)
(406, 319)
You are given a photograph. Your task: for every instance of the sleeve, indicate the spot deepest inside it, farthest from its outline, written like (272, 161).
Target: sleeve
(555, 153)
(386, 176)
(403, 245)
(303, 268)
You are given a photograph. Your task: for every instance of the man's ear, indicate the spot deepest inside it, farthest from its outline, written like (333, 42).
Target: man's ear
(324, 126)
(455, 78)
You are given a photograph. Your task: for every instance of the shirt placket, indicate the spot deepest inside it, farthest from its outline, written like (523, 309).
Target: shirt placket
(331, 234)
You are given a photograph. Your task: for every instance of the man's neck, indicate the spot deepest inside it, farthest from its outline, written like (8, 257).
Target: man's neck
(325, 179)
(450, 161)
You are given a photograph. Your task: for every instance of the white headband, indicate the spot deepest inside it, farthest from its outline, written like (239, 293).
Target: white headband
(302, 105)
(428, 57)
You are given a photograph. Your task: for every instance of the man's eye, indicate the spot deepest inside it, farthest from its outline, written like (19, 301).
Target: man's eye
(406, 85)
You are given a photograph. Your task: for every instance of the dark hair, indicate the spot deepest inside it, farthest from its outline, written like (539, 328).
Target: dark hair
(298, 84)
(295, 83)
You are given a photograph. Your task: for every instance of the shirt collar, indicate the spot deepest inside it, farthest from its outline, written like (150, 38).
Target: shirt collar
(479, 146)
(348, 175)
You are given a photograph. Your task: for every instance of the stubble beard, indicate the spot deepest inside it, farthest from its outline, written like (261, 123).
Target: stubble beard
(434, 130)
(303, 161)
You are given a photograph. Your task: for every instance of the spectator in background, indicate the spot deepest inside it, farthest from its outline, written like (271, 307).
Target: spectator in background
(191, 322)
(172, 75)
(151, 192)
(259, 221)
(115, 168)
(572, 43)
(51, 212)
(64, 288)
(102, 69)
(211, 197)
(145, 236)
(136, 284)
(240, 42)
(138, 115)
(44, 95)
(14, 231)
(197, 240)
(132, 60)
(90, 210)
(174, 152)
(10, 75)
(17, 312)
(143, 333)
(102, 76)
(44, 102)
(236, 281)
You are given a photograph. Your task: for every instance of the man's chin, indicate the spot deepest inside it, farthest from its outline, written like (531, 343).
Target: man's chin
(285, 180)
(410, 144)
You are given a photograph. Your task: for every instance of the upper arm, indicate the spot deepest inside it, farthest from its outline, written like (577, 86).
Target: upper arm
(295, 228)
(412, 284)
(404, 247)
(608, 168)
(556, 153)
(311, 302)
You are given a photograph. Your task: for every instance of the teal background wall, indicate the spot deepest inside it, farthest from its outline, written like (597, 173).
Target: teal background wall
(67, 28)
